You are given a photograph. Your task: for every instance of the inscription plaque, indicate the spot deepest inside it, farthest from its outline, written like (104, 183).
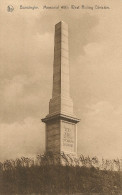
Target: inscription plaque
(68, 137)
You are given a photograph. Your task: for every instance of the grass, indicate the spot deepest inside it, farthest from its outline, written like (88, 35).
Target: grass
(45, 175)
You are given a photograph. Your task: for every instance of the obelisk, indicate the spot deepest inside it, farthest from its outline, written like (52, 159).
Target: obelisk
(61, 128)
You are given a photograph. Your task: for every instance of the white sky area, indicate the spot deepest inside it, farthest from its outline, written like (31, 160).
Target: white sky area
(26, 68)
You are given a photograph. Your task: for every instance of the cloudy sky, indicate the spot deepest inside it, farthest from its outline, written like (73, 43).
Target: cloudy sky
(26, 62)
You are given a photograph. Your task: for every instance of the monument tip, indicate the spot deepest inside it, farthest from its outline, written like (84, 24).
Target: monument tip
(62, 23)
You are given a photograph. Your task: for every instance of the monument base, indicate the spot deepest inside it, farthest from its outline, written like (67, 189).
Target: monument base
(61, 134)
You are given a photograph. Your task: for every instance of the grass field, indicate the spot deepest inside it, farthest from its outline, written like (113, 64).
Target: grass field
(44, 176)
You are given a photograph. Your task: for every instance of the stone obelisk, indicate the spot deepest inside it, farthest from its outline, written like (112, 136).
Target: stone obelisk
(61, 128)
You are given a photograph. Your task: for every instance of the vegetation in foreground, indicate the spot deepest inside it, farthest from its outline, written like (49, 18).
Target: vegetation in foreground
(44, 176)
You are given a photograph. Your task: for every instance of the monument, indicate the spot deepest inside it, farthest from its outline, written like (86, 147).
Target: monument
(61, 123)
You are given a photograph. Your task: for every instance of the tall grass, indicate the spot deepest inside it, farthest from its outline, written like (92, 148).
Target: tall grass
(53, 174)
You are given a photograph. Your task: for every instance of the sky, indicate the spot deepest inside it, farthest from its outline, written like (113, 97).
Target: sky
(26, 72)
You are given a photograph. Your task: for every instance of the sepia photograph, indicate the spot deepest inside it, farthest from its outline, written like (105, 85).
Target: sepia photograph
(60, 97)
